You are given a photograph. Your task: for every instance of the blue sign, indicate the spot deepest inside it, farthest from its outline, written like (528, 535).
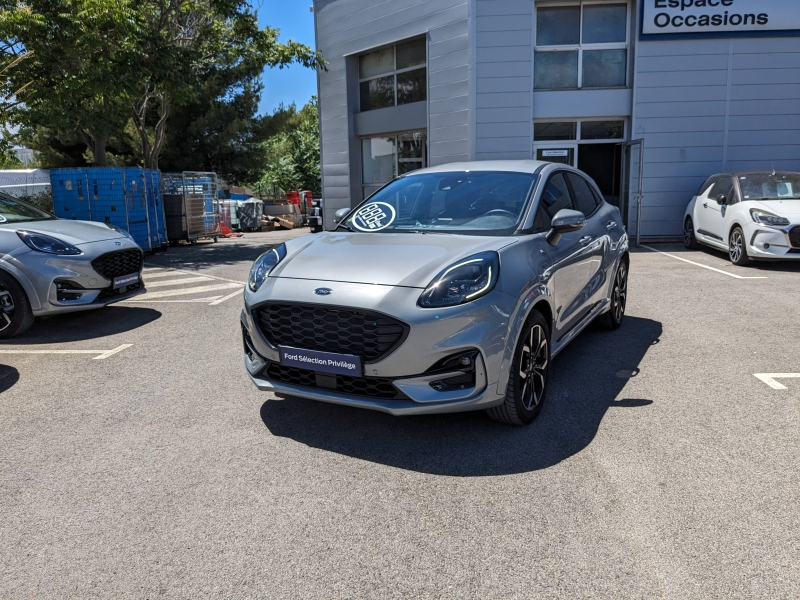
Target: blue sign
(324, 362)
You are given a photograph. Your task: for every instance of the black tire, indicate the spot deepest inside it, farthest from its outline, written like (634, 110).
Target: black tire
(527, 382)
(619, 298)
(737, 247)
(16, 316)
(689, 239)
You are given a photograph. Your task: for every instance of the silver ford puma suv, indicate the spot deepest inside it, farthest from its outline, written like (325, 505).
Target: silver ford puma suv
(449, 289)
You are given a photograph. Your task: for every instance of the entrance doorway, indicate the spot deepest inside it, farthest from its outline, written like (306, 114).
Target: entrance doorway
(602, 163)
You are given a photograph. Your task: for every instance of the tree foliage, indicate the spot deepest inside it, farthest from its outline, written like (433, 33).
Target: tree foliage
(102, 70)
(292, 153)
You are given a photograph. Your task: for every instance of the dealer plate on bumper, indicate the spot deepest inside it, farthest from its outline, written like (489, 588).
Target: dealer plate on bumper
(123, 280)
(322, 362)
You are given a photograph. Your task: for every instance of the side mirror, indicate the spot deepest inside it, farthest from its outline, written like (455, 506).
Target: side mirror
(340, 215)
(565, 221)
(721, 199)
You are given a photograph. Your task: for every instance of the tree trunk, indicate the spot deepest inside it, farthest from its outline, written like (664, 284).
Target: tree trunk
(96, 142)
(99, 150)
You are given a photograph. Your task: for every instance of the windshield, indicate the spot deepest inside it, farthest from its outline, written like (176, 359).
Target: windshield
(480, 203)
(765, 186)
(16, 211)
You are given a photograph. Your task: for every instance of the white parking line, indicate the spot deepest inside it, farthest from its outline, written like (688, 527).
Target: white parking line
(769, 379)
(228, 297)
(182, 292)
(175, 282)
(700, 265)
(182, 272)
(101, 354)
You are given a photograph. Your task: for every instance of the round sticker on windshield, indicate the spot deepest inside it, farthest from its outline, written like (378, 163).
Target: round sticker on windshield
(374, 216)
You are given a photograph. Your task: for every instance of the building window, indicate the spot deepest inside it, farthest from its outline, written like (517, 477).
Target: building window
(581, 46)
(393, 76)
(557, 131)
(384, 158)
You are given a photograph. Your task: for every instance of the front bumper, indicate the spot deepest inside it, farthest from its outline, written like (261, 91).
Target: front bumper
(61, 284)
(479, 327)
(774, 243)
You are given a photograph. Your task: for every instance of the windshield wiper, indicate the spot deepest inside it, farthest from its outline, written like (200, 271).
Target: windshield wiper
(345, 226)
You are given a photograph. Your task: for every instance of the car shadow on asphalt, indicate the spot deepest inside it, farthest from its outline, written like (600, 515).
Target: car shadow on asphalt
(86, 325)
(587, 378)
(9, 376)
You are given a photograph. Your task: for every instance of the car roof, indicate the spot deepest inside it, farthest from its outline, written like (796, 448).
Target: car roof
(517, 166)
(766, 172)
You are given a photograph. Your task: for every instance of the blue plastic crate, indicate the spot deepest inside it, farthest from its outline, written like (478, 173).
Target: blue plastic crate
(70, 199)
(136, 204)
(106, 188)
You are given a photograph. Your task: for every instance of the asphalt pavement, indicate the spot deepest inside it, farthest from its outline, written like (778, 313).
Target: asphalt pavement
(143, 462)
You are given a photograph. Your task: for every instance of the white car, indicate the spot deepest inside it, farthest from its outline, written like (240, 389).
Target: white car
(753, 216)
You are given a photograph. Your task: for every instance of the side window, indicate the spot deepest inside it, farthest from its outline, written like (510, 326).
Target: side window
(724, 186)
(707, 184)
(584, 199)
(555, 197)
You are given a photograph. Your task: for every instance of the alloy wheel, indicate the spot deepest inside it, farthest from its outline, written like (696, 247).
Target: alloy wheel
(7, 307)
(736, 246)
(688, 233)
(620, 292)
(533, 367)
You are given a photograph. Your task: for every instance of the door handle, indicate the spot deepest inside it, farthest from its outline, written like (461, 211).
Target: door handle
(585, 240)
(611, 225)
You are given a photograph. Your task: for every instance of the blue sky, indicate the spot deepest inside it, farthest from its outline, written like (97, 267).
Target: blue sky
(295, 83)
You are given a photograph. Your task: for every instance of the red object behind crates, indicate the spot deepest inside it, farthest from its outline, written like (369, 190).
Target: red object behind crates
(293, 197)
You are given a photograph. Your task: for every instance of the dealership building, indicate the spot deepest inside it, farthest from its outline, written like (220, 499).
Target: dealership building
(649, 97)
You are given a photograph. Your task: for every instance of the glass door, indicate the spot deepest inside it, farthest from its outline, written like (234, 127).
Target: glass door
(631, 189)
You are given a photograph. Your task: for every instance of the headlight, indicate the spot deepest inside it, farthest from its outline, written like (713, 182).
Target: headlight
(45, 243)
(264, 265)
(465, 281)
(122, 231)
(765, 218)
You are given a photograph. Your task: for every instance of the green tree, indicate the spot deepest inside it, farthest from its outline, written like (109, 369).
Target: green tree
(293, 154)
(101, 66)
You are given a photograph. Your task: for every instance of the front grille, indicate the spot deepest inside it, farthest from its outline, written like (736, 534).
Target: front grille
(794, 236)
(370, 387)
(121, 262)
(370, 335)
(110, 292)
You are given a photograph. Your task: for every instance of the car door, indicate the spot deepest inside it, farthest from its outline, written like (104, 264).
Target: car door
(713, 222)
(595, 235)
(569, 274)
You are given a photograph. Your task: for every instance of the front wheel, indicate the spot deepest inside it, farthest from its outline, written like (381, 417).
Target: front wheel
(527, 382)
(737, 247)
(16, 315)
(619, 296)
(689, 239)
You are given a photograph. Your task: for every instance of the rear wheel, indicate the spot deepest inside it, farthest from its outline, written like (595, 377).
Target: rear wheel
(689, 240)
(527, 382)
(619, 297)
(737, 248)
(16, 315)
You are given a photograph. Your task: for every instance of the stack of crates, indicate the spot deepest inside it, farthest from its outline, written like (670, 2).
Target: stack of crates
(125, 197)
(191, 202)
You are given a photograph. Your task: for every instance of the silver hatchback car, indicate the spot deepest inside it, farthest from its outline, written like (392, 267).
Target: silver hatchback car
(449, 289)
(50, 265)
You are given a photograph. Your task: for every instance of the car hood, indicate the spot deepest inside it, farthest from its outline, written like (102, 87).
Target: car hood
(782, 208)
(72, 232)
(401, 259)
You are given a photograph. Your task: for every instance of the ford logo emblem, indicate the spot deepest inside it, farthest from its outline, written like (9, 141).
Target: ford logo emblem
(323, 291)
